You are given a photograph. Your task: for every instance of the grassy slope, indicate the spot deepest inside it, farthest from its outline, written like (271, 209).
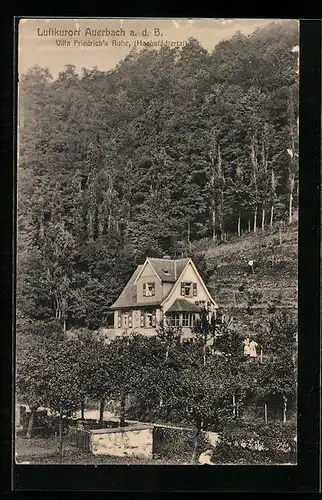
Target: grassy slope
(44, 451)
(275, 277)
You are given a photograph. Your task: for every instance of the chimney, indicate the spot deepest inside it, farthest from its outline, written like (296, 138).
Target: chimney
(175, 270)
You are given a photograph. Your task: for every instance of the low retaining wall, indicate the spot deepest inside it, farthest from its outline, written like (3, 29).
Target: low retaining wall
(130, 441)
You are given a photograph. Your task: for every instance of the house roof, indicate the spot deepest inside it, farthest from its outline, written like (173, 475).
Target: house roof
(183, 305)
(168, 271)
(128, 295)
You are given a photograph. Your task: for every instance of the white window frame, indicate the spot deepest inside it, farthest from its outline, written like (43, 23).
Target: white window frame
(150, 319)
(149, 289)
(175, 319)
(186, 319)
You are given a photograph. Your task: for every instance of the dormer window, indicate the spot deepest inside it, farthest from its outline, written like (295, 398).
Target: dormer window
(148, 289)
(165, 272)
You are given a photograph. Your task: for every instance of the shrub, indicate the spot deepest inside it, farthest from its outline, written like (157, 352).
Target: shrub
(173, 444)
(271, 443)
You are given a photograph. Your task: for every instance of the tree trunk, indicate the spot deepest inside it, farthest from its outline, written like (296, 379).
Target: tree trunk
(272, 216)
(31, 424)
(284, 409)
(265, 413)
(60, 439)
(64, 326)
(222, 234)
(195, 444)
(102, 406)
(109, 221)
(167, 353)
(234, 405)
(238, 224)
(205, 351)
(214, 224)
(280, 235)
(122, 411)
(83, 410)
(263, 219)
(290, 207)
(249, 225)
(41, 227)
(237, 409)
(255, 220)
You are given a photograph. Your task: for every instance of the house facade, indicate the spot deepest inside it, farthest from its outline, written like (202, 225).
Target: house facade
(161, 291)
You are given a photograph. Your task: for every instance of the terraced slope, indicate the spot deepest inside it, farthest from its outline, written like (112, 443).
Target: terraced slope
(251, 297)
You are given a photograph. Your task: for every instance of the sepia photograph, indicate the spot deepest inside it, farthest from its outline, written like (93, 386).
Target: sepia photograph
(157, 242)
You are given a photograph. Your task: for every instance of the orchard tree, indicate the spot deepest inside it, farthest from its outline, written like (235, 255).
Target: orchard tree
(92, 369)
(127, 355)
(200, 396)
(32, 339)
(278, 372)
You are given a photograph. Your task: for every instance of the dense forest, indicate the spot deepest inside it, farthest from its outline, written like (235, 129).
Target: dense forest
(170, 147)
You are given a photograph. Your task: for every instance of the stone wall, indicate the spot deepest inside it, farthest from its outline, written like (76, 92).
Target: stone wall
(130, 441)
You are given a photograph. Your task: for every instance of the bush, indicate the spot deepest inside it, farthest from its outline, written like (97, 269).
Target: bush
(271, 443)
(176, 444)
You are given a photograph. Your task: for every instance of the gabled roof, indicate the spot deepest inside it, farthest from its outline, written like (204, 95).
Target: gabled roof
(128, 296)
(200, 278)
(167, 270)
(183, 305)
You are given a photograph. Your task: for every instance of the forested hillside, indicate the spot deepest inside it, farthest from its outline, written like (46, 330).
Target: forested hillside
(169, 150)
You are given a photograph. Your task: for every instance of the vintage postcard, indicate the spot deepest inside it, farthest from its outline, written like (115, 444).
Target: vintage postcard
(157, 240)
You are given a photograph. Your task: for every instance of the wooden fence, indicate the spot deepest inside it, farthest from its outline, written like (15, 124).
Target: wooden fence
(79, 437)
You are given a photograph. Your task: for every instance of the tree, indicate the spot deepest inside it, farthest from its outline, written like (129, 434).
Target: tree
(238, 374)
(32, 337)
(127, 358)
(200, 394)
(217, 183)
(277, 374)
(206, 329)
(93, 369)
(46, 377)
(292, 152)
(63, 388)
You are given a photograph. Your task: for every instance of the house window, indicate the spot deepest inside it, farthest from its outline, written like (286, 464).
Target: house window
(188, 289)
(119, 320)
(188, 319)
(175, 319)
(142, 323)
(148, 289)
(150, 319)
(130, 320)
(185, 319)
